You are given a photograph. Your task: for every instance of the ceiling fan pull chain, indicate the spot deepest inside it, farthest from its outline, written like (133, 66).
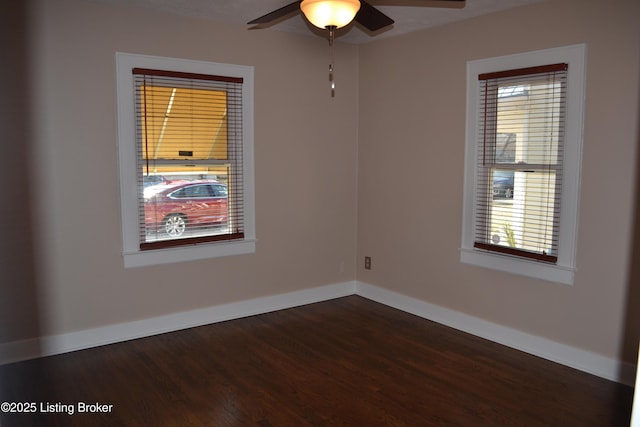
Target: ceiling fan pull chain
(332, 82)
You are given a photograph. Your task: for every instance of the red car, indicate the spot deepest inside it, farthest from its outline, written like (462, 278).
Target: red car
(173, 207)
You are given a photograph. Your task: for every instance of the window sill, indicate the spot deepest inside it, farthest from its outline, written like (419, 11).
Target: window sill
(188, 253)
(538, 270)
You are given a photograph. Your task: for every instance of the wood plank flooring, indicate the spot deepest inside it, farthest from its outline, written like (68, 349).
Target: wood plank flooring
(345, 362)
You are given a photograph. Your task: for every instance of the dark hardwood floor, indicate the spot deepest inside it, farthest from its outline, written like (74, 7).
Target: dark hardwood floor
(345, 362)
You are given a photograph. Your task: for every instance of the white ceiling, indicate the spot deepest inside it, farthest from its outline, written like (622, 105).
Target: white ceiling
(408, 18)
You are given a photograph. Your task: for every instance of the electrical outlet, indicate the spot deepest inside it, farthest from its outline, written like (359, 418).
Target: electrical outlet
(367, 263)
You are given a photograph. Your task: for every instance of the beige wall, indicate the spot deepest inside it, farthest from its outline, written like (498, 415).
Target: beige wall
(411, 159)
(384, 159)
(18, 285)
(305, 157)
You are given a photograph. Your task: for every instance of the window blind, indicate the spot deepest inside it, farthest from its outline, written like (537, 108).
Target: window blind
(519, 161)
(189, 158)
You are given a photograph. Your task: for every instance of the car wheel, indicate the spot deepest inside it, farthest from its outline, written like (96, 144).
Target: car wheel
(174, 225)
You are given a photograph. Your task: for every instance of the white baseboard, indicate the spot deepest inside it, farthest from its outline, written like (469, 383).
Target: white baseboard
(583, 360)
(56, 344)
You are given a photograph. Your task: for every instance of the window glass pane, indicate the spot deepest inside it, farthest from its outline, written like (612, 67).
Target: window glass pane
(189, 141)
(506, 147)
(523, 209)
(520, 163)
(529, 120)
(183, 122)
(183, 203)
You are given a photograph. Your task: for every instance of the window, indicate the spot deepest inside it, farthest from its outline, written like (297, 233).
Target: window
(524, 118)
(186, 159)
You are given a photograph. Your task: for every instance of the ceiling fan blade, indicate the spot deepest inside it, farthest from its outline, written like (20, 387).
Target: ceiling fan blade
(421, 3)
(371, 18)
(278, 13)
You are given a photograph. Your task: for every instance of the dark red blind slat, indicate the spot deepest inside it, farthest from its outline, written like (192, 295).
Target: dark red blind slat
(524, 71)
(182, 75)
(162, 244)
(516, 252)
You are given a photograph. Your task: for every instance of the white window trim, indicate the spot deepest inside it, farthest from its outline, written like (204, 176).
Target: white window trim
(133, 256)
(562, 272)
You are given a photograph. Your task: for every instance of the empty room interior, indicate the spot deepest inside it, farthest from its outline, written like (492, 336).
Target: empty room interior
(348, 220)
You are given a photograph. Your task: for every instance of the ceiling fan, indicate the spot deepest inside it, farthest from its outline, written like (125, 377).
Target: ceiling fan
(330, 15)
(333, 14)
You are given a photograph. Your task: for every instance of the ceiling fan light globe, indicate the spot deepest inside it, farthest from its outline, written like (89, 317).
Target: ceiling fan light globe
(330, 13)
